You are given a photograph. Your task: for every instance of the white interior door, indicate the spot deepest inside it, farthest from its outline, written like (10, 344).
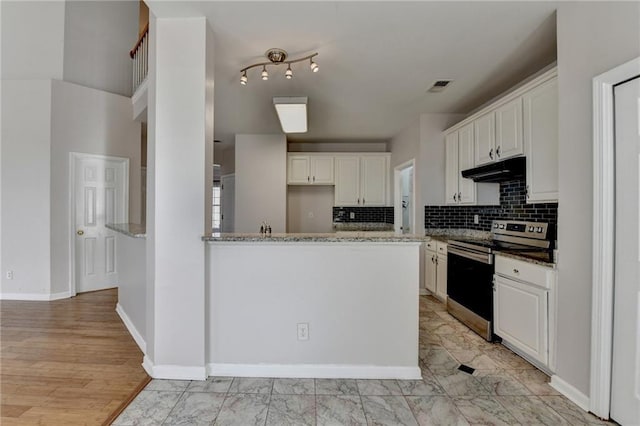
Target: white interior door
(625, 383)
(228, 201)
(101, 197)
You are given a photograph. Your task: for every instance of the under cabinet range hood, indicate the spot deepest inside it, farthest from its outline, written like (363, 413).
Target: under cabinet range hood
(500, 171)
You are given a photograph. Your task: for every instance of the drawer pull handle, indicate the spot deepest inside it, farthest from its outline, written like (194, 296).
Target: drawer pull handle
(515, 271)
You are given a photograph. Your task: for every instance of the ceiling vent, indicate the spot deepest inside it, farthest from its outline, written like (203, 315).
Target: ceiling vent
(440, 85)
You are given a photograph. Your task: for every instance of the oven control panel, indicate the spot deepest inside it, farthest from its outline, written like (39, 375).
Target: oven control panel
(537, 230)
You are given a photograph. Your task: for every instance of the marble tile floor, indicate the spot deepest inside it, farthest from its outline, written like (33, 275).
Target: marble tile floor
(503, 390)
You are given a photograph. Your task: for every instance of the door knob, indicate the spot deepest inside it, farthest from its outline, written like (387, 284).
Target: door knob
(80, 232)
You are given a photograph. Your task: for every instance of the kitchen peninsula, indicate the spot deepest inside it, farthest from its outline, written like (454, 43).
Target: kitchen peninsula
(313, 305)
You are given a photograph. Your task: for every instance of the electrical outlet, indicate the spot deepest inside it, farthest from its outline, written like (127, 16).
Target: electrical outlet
(352, 215)
(476, 219)
(303, 331)
(9, 275)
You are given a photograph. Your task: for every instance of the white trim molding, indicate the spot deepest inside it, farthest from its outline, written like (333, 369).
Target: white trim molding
(577, 397)
(133, 331)
(174, 372)
(397, 195)
(603, 234)
(319, 371)
(38, 297)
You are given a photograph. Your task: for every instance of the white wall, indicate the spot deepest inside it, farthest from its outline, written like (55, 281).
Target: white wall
(94, 122)
(306, 201)
(179, 163)
(25, 169)
(98, 36)
(360, 301)
(261, 182)
(132, 284)
(592, 38)
(32, 39)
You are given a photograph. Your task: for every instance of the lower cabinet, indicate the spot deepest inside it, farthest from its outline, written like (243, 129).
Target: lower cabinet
(435, 277)
(523, 299)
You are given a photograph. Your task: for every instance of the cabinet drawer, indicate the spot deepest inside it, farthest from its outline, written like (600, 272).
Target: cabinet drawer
(441, 247)
(524, 271)
(431, 245)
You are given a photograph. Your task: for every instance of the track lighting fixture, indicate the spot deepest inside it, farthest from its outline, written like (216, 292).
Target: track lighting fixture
(277, 57)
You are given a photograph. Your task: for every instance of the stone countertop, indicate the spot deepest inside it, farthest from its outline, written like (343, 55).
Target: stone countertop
(343, 237)
(538, 259)
(134, 230)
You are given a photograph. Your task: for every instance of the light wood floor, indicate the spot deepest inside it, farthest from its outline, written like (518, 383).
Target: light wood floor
(66, 362)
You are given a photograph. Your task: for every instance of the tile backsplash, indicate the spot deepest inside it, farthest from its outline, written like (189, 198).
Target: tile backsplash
(363, 214)
(512, 206)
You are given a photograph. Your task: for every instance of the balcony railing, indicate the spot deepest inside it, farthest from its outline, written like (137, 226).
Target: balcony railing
(140, 56)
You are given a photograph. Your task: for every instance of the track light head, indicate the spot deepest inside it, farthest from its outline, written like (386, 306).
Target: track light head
(244, 79)
(264, 74)
(288, 73)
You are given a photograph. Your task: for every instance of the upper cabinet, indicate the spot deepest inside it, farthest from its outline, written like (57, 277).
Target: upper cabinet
(498, 134)
(459, 156)
(362, 179)
(310, 169)
(541, 141)
(524, 121)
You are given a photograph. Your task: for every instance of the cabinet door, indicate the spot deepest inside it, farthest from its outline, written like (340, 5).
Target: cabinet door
(541, 142)
(441, 288)
(484, 139)
(466, 187)
(373, 180)
(322, 170)
(451, 168)
(298, 170)
(509, 130)
(520, 314)
(430, 271)
(347, 176)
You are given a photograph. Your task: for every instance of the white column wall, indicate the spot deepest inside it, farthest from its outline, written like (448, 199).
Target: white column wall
(25, 169)
(176, 188)
(261, 182)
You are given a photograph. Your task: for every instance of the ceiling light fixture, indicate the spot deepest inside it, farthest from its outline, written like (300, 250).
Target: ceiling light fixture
(277, 57)
(292, 112)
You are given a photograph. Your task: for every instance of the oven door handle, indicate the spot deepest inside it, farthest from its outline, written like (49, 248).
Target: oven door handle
(480, 257)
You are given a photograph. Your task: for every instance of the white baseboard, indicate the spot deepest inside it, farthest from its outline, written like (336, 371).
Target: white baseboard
(424, 292)
(132, 328)
(320, 371)
(574, 395)
(173, 372)
(38, 297)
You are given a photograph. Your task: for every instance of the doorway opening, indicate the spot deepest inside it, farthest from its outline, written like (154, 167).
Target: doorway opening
(404, 198)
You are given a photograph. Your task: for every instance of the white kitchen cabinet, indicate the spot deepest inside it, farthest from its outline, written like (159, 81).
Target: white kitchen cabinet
(509, 131)
(540, 107)
(435, 277)
(309, 169)
(361, 180)
(459, 156)
(484, 139)
(499, 133)
(523, 301)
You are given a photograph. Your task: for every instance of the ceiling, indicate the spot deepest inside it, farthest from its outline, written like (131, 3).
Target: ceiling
(377, 60)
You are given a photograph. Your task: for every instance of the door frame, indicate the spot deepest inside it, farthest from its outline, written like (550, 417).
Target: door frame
(73, 158)
(604, 234)
(397, 195)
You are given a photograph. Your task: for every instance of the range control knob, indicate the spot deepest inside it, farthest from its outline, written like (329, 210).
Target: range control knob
(495, 225)
(502, 226)
(531, 229)
(539, 229)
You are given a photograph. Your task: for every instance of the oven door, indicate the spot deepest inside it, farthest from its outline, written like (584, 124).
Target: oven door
(470, 280)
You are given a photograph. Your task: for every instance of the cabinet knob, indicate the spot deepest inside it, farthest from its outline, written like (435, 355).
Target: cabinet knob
(459, 197)
(455, 197)
(314, 178)
(491, 153)
(515, 271)
(358, 200)
(308, 179)
(363, 201)
(527, 191)
(498, 151)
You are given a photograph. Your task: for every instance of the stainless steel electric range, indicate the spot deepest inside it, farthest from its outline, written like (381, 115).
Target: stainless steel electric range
(470, 268)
